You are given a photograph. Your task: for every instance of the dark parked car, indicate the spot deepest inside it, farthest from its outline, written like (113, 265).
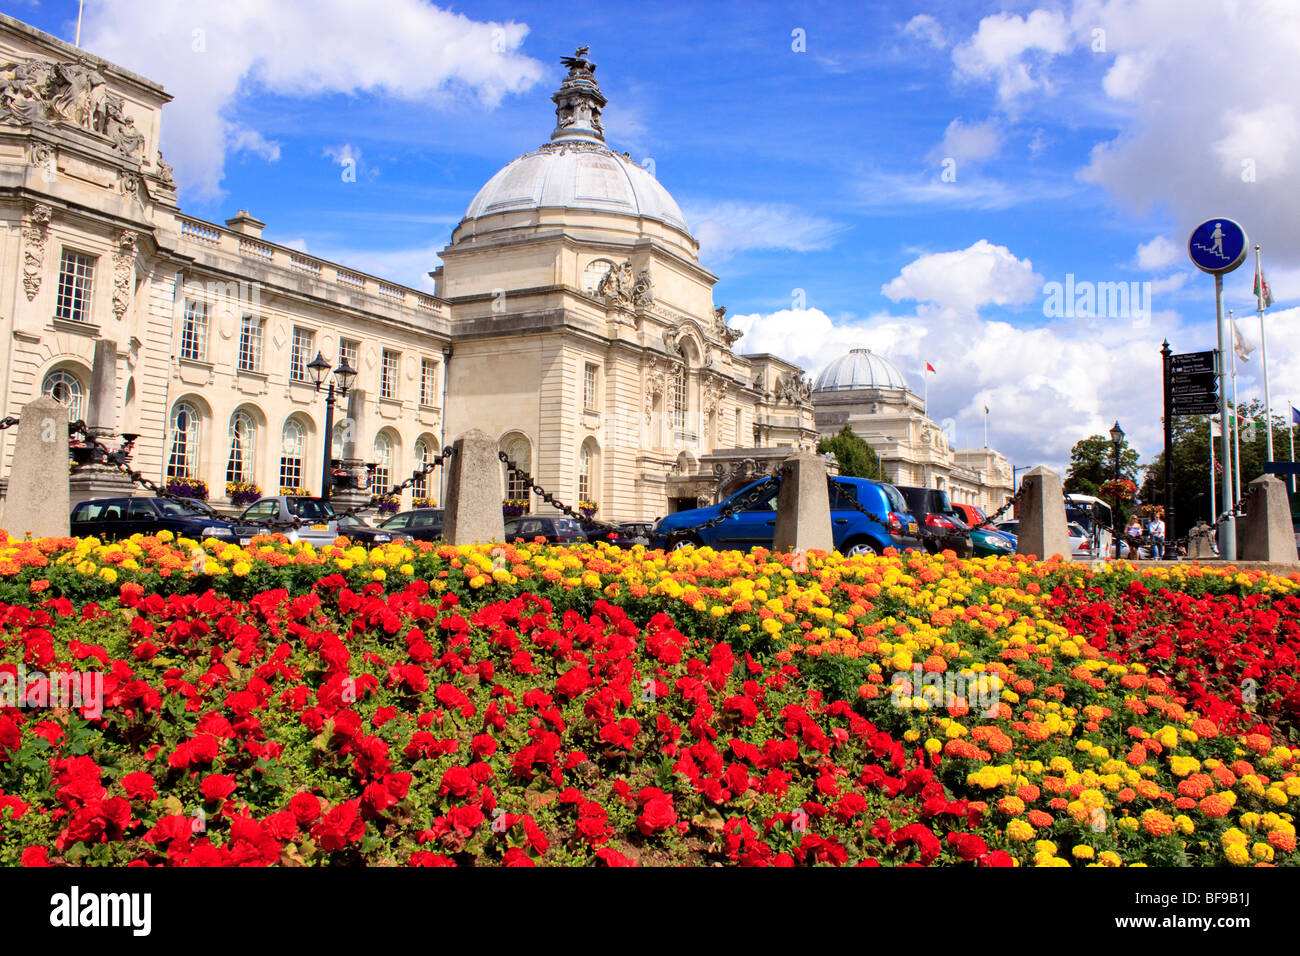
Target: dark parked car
(754, 523)
(555, 529)
(934, 509)
(360, 532)
(629, 533)
(422, 524)
(122, 517)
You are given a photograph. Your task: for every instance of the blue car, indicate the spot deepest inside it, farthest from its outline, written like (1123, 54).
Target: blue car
(753, 524)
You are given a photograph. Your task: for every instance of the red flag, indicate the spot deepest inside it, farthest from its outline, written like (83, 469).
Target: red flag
(930, 368)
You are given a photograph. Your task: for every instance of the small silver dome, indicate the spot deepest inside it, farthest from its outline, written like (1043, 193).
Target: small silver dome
(860, 368)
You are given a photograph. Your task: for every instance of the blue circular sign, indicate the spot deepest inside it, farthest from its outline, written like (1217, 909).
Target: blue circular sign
(1217, 246)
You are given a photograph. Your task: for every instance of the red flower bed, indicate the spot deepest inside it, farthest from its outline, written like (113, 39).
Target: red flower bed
(1234, 658)
(364, 728)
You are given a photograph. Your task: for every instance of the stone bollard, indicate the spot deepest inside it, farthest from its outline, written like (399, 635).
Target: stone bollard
(473, 491)
(1267, 534)
(803, 507)
(1199, 542)
(38, 484)
(1042, 531)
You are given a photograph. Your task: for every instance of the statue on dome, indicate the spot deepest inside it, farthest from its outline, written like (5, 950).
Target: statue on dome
(578, 64)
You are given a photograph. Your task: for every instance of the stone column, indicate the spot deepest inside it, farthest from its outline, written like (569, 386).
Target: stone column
(1042, 516)
(473, 491)
(344, 499)
(803, 508)
(1267, 534)
(38, 484)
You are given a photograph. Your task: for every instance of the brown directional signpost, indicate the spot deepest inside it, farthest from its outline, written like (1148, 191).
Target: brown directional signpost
(1191, 388)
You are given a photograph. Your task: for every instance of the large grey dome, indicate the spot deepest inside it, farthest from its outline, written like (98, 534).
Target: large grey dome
(860, 368)
(577, 175)
(576, 170)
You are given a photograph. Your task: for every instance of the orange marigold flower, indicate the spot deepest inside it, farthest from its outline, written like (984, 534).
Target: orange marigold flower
(1281, 841)
(1028, 793)
(1215, 806)
(1156, 823)
(1039, 819)
(1011, 806)
(1205, 729)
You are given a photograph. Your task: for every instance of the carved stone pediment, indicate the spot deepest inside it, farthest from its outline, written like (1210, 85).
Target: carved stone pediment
(793, 388)
(36, 90)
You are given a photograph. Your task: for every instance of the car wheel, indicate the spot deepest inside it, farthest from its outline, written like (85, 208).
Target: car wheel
(858, 548)
(690, 541)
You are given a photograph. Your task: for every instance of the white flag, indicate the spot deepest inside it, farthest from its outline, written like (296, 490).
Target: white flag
(1240, 344)
(1216, 431)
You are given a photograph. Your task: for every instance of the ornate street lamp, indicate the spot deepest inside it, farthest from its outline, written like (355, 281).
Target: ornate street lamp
(1116, 440)
(342, 379)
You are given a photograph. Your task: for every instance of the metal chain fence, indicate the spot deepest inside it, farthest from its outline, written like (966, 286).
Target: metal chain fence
(549, 498)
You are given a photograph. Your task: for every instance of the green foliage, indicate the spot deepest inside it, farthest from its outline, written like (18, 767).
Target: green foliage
(855, 456)
(1092, 462)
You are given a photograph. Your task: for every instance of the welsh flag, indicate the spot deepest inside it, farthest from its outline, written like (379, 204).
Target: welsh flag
(1262, 292)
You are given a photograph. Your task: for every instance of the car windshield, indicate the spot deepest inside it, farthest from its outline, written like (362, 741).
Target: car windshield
(895, 498)
(176, 509)
(310, 508)
(567, 526)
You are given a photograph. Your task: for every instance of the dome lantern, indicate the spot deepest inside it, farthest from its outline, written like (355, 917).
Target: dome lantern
(578, 101)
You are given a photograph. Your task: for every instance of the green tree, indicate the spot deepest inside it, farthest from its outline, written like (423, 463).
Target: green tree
(855, 456)
(1092, 463)
(1191, 463)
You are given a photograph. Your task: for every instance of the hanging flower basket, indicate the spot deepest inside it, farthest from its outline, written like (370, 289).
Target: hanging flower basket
(588, 509)
(513, 508)
(188, 488)
(1119, 489)
(386, 504)
(242, 493)
(423, 503)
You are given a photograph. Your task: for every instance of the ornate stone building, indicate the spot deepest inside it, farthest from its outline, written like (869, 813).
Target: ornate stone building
(869, 394)
(571, 318)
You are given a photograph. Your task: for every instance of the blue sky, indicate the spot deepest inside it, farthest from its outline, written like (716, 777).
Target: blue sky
(823, 169)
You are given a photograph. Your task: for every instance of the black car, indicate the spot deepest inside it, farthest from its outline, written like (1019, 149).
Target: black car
(360, 532)
(556, 529)
(422, 524)
(628, 534)
(933, 509)
(110, 518)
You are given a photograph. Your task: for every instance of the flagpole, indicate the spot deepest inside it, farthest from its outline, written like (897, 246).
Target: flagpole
(1263, 350)
(1214, 504)
(925, 401)
(986, 426)
(1236, 419)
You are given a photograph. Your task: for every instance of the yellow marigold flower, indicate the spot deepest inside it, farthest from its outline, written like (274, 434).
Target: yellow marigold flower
(1082, 852)
(1184, 824)
(1045, 847)
(241, 568)
(108, 574)
(1109, 858)
(1236, 853)
(378, 574)
(933, 746)
(1020, 831)
(1262, 851)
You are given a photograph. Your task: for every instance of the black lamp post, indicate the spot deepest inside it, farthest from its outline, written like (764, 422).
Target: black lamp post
(1116, 440)
(343, 376)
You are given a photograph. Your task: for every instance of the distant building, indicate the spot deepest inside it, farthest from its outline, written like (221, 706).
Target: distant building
(571, 319)
(868, 393)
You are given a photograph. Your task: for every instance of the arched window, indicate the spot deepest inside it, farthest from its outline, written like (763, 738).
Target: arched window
(243, 442)
(586, 472)
(596, 270)
(183, 462)
(383, 480)
(293, 451)
(421, 487)
(519, 450)
(65, 388)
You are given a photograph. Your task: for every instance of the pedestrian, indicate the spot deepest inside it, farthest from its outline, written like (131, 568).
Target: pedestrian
(1157, 531)
(1134, 535)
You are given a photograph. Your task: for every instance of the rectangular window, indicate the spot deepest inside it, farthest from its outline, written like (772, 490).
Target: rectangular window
(290, 472)
(428, 382)
(388, 375)
(300, 353)
(194, 331)
(589, 387)
(679, 398)
(351, 352)
(76, 278)
(250, 343)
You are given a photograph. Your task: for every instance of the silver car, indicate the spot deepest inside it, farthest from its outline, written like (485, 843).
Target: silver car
(297, 517)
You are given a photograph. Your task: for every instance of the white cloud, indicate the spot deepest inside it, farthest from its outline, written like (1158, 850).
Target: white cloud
(1157, 253)
(206, 56)
(980, 275)
(926, 28)
(969, 142)
(1010, 50)
(882, 190)
(251, 141)
(347, 153)
(727, 227)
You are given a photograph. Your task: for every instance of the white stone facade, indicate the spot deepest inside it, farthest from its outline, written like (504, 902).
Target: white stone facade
(571, 317)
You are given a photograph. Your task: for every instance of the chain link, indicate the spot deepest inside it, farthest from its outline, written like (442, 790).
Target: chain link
(397, 490)
(736, 503)
(549, 498)
(9, 422)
